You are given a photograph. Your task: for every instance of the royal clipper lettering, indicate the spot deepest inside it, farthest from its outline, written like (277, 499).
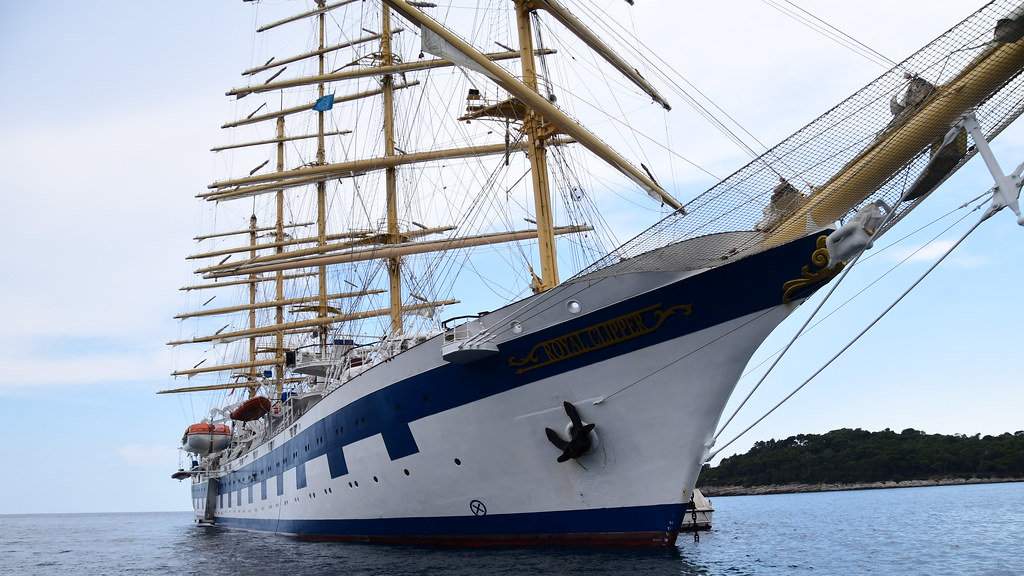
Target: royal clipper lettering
(599, 336)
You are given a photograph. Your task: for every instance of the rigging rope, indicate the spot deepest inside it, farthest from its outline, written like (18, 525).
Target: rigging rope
(884, 274)
(800, 331)
(602, 19)
(855, 338)
(792, 341)
(831, 32)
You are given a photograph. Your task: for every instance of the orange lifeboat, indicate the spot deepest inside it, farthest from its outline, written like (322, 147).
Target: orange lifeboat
(206, 438)
(252, 409)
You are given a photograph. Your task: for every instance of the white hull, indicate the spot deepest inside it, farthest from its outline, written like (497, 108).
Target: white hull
(483, 471)
(651, 441)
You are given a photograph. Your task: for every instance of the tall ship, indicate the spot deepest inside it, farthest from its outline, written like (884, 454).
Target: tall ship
(406, 160)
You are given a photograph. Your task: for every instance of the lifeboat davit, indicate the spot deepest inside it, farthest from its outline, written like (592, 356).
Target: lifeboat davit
(206, 438)
(252, 409)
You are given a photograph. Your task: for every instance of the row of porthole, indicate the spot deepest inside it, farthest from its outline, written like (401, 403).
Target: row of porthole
(572, 306)
(355, 483)
(340, 431)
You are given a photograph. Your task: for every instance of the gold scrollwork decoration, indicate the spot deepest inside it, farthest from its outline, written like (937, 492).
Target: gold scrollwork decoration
(821, 274)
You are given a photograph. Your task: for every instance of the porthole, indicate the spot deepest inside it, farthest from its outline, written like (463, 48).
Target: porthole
(458, 462)
(573, 307)
(517, 327)
(406, 471)
(356, 483)
(375, 479)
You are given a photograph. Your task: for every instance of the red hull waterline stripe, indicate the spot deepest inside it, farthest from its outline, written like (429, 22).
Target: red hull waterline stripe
(595, 540)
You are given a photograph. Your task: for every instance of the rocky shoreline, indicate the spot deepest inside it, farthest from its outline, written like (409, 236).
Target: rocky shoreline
(711, 491)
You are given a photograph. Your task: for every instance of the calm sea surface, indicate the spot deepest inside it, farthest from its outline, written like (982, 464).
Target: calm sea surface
(944, 530)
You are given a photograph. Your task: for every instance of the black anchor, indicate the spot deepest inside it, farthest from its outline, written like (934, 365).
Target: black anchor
(579, 436)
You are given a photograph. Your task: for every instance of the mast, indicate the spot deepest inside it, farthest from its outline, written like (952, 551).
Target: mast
(311, 323)
(272, 304)
(394, 263)
(279, 276)
(276, 140)
(255, 118)
(390, 244)
(272, 181)
(584, 33)
(275, 62)
(365, 72)
(537, 134)
(375, 252)
(321, 186)
(253, 370)
(258, 280)
(321, 8)
(530, 98)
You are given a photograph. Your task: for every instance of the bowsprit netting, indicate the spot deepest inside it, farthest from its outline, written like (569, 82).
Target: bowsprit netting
(738, 216)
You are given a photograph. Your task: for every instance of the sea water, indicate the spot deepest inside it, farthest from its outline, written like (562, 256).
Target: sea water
(937, 530)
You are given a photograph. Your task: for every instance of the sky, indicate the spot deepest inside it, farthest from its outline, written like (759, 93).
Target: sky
(110, 108)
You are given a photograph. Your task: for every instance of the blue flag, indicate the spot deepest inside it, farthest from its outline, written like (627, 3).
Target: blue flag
(324, 104)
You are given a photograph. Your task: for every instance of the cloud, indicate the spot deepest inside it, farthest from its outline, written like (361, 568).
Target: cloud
(928, 253)
(97, 260)
(27, 370)
(147, 455)
(99, 249)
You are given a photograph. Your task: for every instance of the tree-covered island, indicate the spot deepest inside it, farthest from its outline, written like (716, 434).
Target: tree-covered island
(858, 457)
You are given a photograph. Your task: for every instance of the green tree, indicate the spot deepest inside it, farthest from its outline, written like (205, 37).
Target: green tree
(851, 456)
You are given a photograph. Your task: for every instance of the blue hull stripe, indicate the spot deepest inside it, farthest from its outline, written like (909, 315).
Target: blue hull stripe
(663, 518)
(730, 291)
